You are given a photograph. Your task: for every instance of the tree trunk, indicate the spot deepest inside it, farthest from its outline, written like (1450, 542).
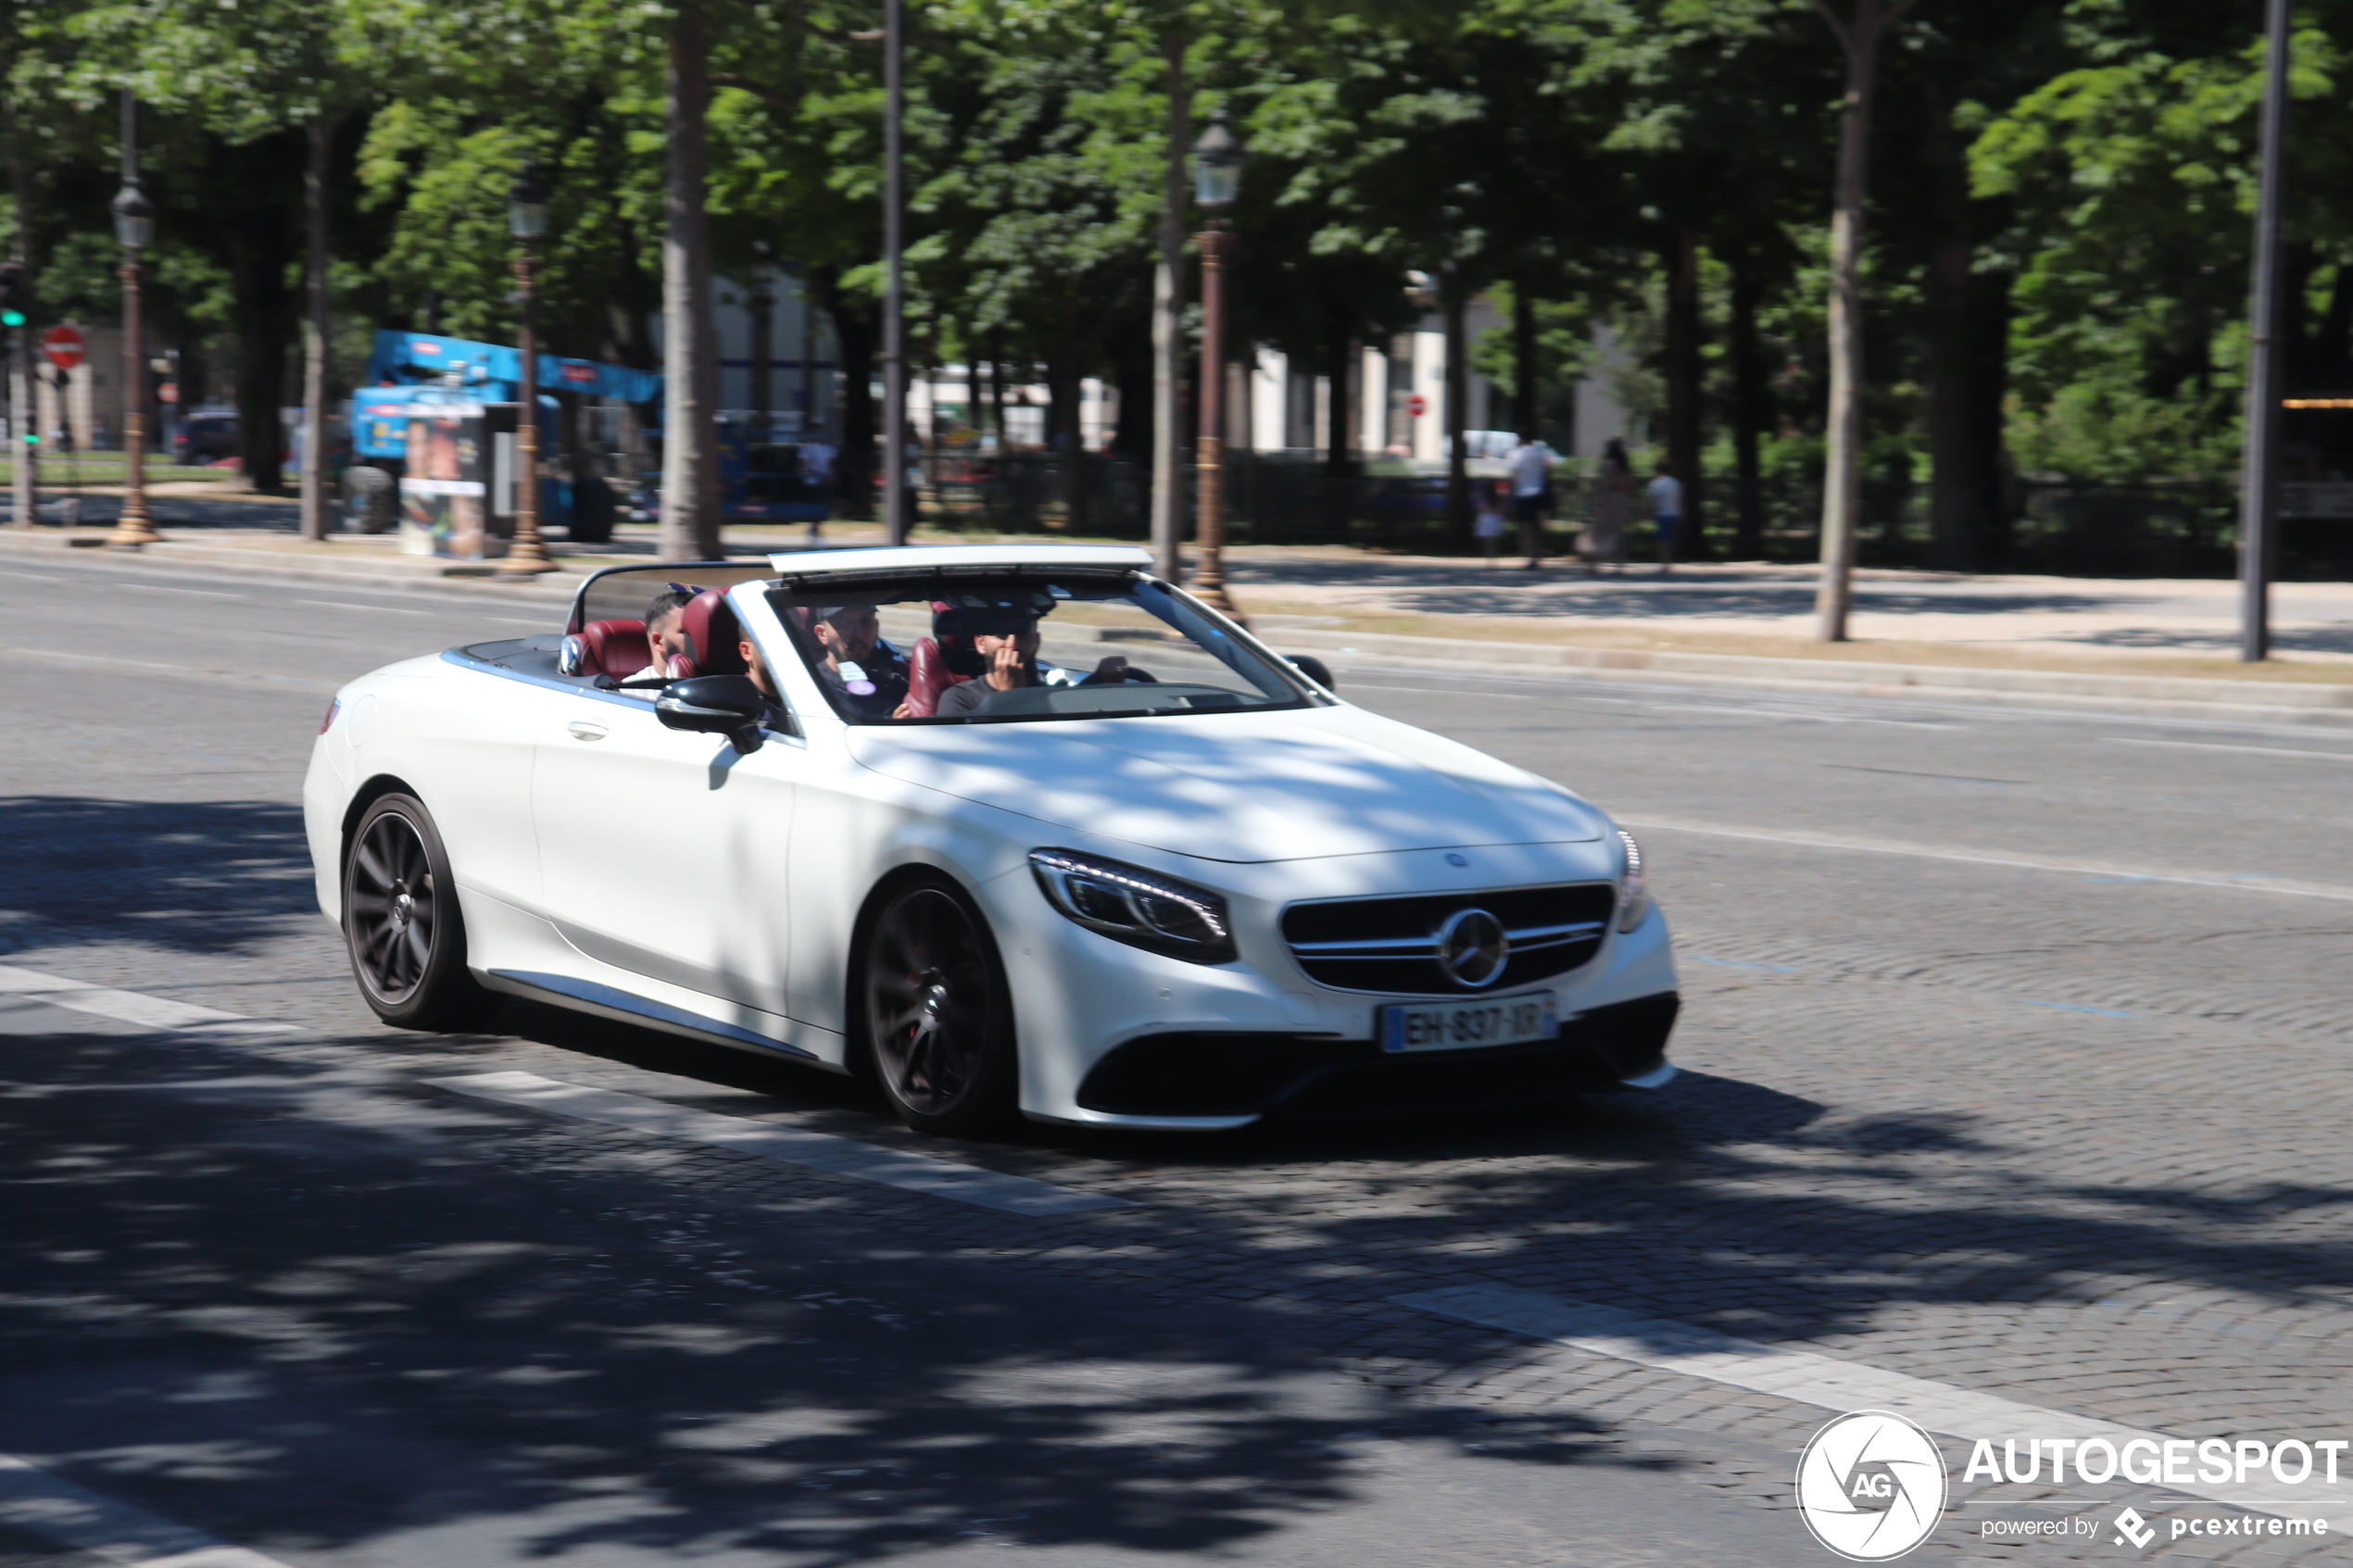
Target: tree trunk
(1750, 409)
(855, 331)
(1070, 428)
(1527, 412)
(690, 369)
(1685, 387)
(265, 314)
(1342, 415)
(27, 492)
(1168, 324)
(1458, 497)
(1842, 475)
(1968, 332)
(314, 338)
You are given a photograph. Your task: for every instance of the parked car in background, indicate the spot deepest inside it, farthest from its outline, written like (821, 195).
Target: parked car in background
(206, 436)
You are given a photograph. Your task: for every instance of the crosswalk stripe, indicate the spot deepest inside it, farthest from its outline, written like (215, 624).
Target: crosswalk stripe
(1823, 1381)
(31, 1498)
(796, 1146)
(128, 1007)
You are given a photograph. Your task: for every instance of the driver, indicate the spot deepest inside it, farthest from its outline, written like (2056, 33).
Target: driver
(1005, 639)
(867, 674)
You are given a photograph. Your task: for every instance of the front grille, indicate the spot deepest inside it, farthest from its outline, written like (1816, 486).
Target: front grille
(1391, 945)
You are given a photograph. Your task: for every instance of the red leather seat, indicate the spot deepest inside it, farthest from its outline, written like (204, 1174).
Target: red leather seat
(712, 634)
(928, 673)
(617, 648)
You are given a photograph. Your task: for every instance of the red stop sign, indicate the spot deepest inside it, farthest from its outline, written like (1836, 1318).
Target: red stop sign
(63, 346)
(1417, 406)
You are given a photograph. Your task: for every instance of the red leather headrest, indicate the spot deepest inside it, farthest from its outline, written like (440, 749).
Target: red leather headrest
(617, 648)
(929, 673)
(711, 634)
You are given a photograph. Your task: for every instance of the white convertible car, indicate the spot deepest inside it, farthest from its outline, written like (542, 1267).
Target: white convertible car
(1004, 826)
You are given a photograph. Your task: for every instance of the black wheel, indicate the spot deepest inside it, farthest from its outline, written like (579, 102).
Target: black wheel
(401, 922)
(938, 1020)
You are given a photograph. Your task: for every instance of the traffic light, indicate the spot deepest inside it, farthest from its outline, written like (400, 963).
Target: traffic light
(16, 295)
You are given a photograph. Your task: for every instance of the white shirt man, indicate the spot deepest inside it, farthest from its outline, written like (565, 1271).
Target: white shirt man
(1532, 466)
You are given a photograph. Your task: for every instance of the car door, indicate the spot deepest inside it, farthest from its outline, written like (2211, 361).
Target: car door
(663, 852)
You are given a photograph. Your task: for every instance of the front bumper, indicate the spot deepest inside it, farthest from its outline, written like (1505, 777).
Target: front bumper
(1171, 1077)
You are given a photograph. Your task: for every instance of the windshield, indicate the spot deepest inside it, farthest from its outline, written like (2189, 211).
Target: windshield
(995, 647)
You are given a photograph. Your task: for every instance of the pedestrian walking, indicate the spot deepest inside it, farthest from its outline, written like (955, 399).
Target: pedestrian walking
(1605, 539)
(817, 473)
(1488, 525)
(1667, 513)
(1531, 478)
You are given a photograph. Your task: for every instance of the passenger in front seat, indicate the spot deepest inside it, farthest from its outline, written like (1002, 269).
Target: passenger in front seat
(866, 673)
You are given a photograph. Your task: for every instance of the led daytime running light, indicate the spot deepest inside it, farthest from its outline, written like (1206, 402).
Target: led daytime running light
(1117, 900)
(1633, 889)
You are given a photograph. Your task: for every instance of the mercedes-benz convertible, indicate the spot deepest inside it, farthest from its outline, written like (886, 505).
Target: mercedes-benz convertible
(1007, 828)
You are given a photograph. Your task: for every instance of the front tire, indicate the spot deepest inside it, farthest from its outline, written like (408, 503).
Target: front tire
(402, 925)
(939, 1022)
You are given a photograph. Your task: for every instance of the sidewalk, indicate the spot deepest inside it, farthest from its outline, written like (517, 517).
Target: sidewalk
(2040, 638)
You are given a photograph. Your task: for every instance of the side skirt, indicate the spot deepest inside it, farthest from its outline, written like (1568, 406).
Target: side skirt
(606, 1002)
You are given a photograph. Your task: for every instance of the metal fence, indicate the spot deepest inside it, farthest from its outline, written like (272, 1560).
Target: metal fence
(2161, 528)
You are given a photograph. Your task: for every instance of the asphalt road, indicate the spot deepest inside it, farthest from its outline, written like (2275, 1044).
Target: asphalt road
(2016, 1061)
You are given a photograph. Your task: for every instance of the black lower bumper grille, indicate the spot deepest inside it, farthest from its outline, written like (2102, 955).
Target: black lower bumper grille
(1292, 1075)
(1391, 945)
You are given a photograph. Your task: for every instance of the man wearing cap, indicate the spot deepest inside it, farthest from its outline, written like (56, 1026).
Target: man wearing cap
(867, 676)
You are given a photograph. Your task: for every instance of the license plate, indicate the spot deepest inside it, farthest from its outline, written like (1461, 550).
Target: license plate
(1451, 1026)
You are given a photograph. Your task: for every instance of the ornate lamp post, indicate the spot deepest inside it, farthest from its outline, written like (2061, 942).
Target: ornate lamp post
(1217, 174)
(526, 220)
(135, 230)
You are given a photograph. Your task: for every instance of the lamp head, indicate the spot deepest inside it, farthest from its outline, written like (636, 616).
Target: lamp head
(527, 204)
(1217, 166)
(134, 219)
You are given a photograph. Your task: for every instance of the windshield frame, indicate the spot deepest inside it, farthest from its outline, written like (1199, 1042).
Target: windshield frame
(883, 586)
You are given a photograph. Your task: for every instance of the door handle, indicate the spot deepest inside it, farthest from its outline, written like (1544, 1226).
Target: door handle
(582, 730)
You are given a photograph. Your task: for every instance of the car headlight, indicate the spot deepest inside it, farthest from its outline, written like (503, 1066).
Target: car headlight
(1129, 904)
(1633, 892)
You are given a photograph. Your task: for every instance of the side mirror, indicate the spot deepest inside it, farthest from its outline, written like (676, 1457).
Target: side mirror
(1314, 670)
(719, 705)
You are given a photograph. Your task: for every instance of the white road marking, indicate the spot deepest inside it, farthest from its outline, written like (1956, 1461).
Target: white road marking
(2216, 746)
(1925, 852)
(32, 576)
(338, 604)
(1822, 1381)
(128, 1007)
(796, 1146)
(194, 593)
(1432, 691)
(31, 1498)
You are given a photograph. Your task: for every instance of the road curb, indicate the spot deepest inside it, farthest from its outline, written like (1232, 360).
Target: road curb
(2168, 696)
(223, 559)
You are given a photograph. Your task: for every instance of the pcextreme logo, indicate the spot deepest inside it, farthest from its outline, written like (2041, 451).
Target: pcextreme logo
(1871, 1486)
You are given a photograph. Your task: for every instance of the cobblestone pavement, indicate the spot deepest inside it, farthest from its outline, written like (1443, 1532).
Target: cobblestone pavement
(2070, 1137)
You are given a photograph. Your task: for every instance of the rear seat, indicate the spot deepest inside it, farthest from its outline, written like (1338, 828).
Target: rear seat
(617, 648)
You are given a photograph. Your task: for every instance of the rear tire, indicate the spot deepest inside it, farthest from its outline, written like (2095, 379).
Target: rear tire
(401, 922)
(938, 1016)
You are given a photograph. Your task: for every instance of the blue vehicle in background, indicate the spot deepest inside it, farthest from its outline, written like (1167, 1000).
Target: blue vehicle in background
(759, 477)
(412, 368)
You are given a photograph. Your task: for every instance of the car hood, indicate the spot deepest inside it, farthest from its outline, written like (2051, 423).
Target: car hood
(1241, 787)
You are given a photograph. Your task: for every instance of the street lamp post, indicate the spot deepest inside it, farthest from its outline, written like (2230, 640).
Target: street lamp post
(135, 230)
(1217, 172)
(526, 220)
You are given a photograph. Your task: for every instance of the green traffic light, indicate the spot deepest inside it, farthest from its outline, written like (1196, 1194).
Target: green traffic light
(11, 318)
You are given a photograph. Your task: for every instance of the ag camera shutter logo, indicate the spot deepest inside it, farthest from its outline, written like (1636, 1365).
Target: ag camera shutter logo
(1871, 1486)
